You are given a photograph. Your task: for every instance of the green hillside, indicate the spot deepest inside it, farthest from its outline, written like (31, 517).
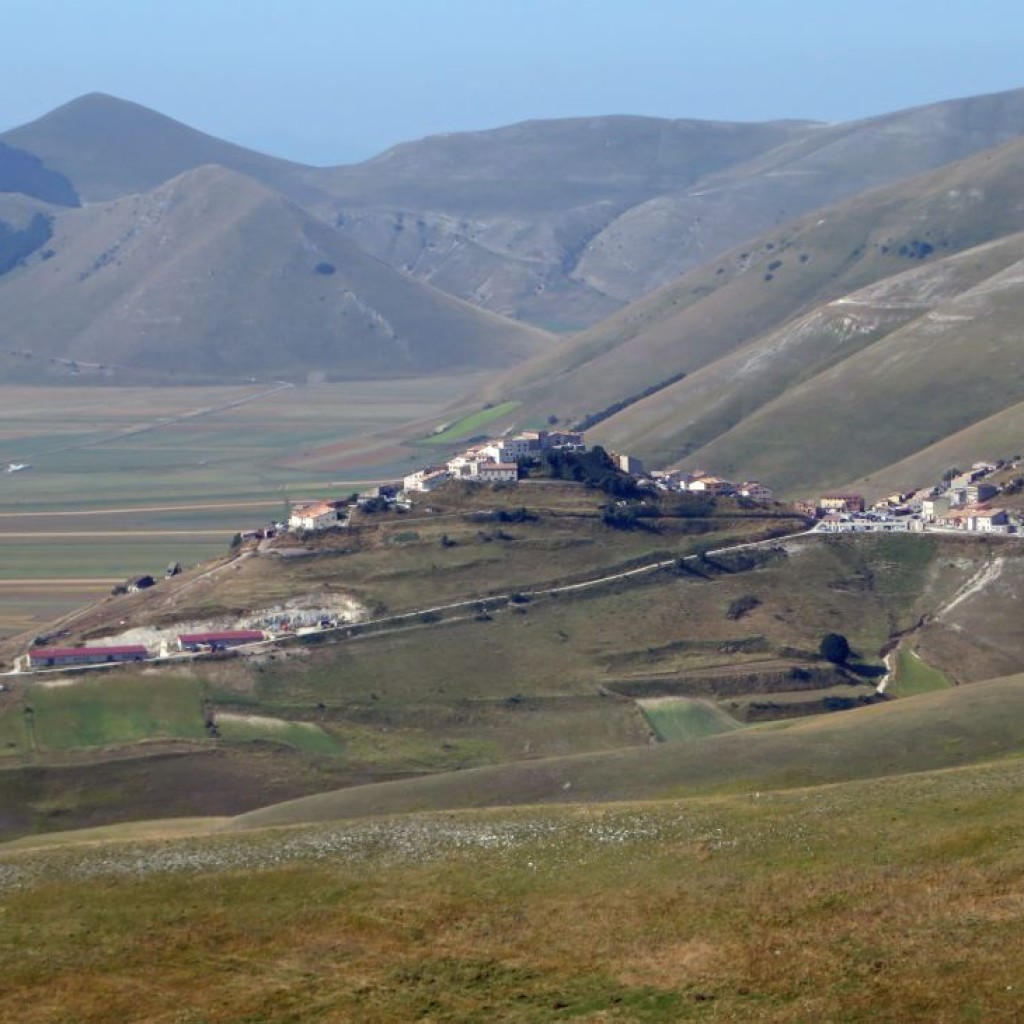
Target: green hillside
(505, 626)
(944, 729)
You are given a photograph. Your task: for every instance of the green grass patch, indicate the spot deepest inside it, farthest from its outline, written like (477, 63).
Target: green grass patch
(469, 425)
(679, 718)
(14, 733)
(305, 736)
(914, 675)
(88, 712)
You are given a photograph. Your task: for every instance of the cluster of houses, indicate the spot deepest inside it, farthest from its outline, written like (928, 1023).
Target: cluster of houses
(498, 460)
(699, 482)
(962, 502)
(494, 461)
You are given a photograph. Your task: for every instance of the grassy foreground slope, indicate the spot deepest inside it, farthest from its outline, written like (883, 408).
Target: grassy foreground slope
(894, 900)
(935, 730)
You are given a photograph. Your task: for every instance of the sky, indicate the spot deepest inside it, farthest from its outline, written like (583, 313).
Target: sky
(336, 81)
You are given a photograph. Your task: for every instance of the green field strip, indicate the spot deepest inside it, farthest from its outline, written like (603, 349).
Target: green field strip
(914, 676)
(104, 558)
(116, 708)
(468, 425)
(307, 736)
(680, 718)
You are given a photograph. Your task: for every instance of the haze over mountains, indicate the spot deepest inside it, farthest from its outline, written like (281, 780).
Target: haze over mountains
(777, 265)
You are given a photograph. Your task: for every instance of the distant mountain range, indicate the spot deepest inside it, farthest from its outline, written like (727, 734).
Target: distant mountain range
(740, 287)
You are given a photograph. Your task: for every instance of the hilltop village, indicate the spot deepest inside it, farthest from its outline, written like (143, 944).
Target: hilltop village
(963, 501)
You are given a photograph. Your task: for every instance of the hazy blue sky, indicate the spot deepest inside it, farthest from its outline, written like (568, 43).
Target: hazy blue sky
(331, 81)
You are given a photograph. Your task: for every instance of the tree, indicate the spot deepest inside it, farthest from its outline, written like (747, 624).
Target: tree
(835, 648)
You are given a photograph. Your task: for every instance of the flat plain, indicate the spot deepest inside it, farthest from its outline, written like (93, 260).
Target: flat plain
(124, 481)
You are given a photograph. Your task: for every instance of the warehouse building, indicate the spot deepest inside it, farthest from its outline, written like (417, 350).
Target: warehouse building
(50, 657)
(220, 641)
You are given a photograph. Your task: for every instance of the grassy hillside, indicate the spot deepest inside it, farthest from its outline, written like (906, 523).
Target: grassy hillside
(860, 902)
(501, 217)
(748, 329)
(656, 241)
(934, 730)
(561, 221)
(942, 372)
(212, 276)
(567, 670)
(554, 222)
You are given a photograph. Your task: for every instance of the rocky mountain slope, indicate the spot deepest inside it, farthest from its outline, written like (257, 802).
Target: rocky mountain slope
(556, 222)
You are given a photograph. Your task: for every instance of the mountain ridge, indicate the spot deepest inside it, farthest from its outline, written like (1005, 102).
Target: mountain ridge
(204, 276)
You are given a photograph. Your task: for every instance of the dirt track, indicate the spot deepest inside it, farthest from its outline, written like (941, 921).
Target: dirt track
(141, 508)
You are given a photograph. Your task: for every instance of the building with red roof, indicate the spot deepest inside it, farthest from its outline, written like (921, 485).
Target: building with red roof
(219, 641)
(49, 657)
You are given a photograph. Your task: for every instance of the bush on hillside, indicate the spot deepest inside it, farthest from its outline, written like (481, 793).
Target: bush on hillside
(835, 648)
(742, 605)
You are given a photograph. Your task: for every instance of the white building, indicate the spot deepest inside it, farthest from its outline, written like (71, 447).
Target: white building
(497, 472)
(426, 480)
(314, 515)
(755, 491)
(627, 463)
(711, 485)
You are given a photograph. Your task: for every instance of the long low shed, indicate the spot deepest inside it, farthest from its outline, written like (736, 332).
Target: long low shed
(219, 641)
(45, 657)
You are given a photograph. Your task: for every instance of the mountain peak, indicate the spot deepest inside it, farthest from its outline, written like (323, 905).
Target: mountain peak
(109, 147)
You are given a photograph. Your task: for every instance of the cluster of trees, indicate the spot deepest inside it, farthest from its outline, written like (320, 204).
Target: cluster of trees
(608, 411)
(593, 468)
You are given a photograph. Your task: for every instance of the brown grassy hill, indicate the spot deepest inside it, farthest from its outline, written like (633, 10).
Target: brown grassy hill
(213, 276)
(555, 222)
(500, 217)
(654, 242)
(560, 221)
(495, 217)
(951, 366)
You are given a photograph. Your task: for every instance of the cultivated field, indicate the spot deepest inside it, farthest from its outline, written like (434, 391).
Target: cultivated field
(126, 480)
